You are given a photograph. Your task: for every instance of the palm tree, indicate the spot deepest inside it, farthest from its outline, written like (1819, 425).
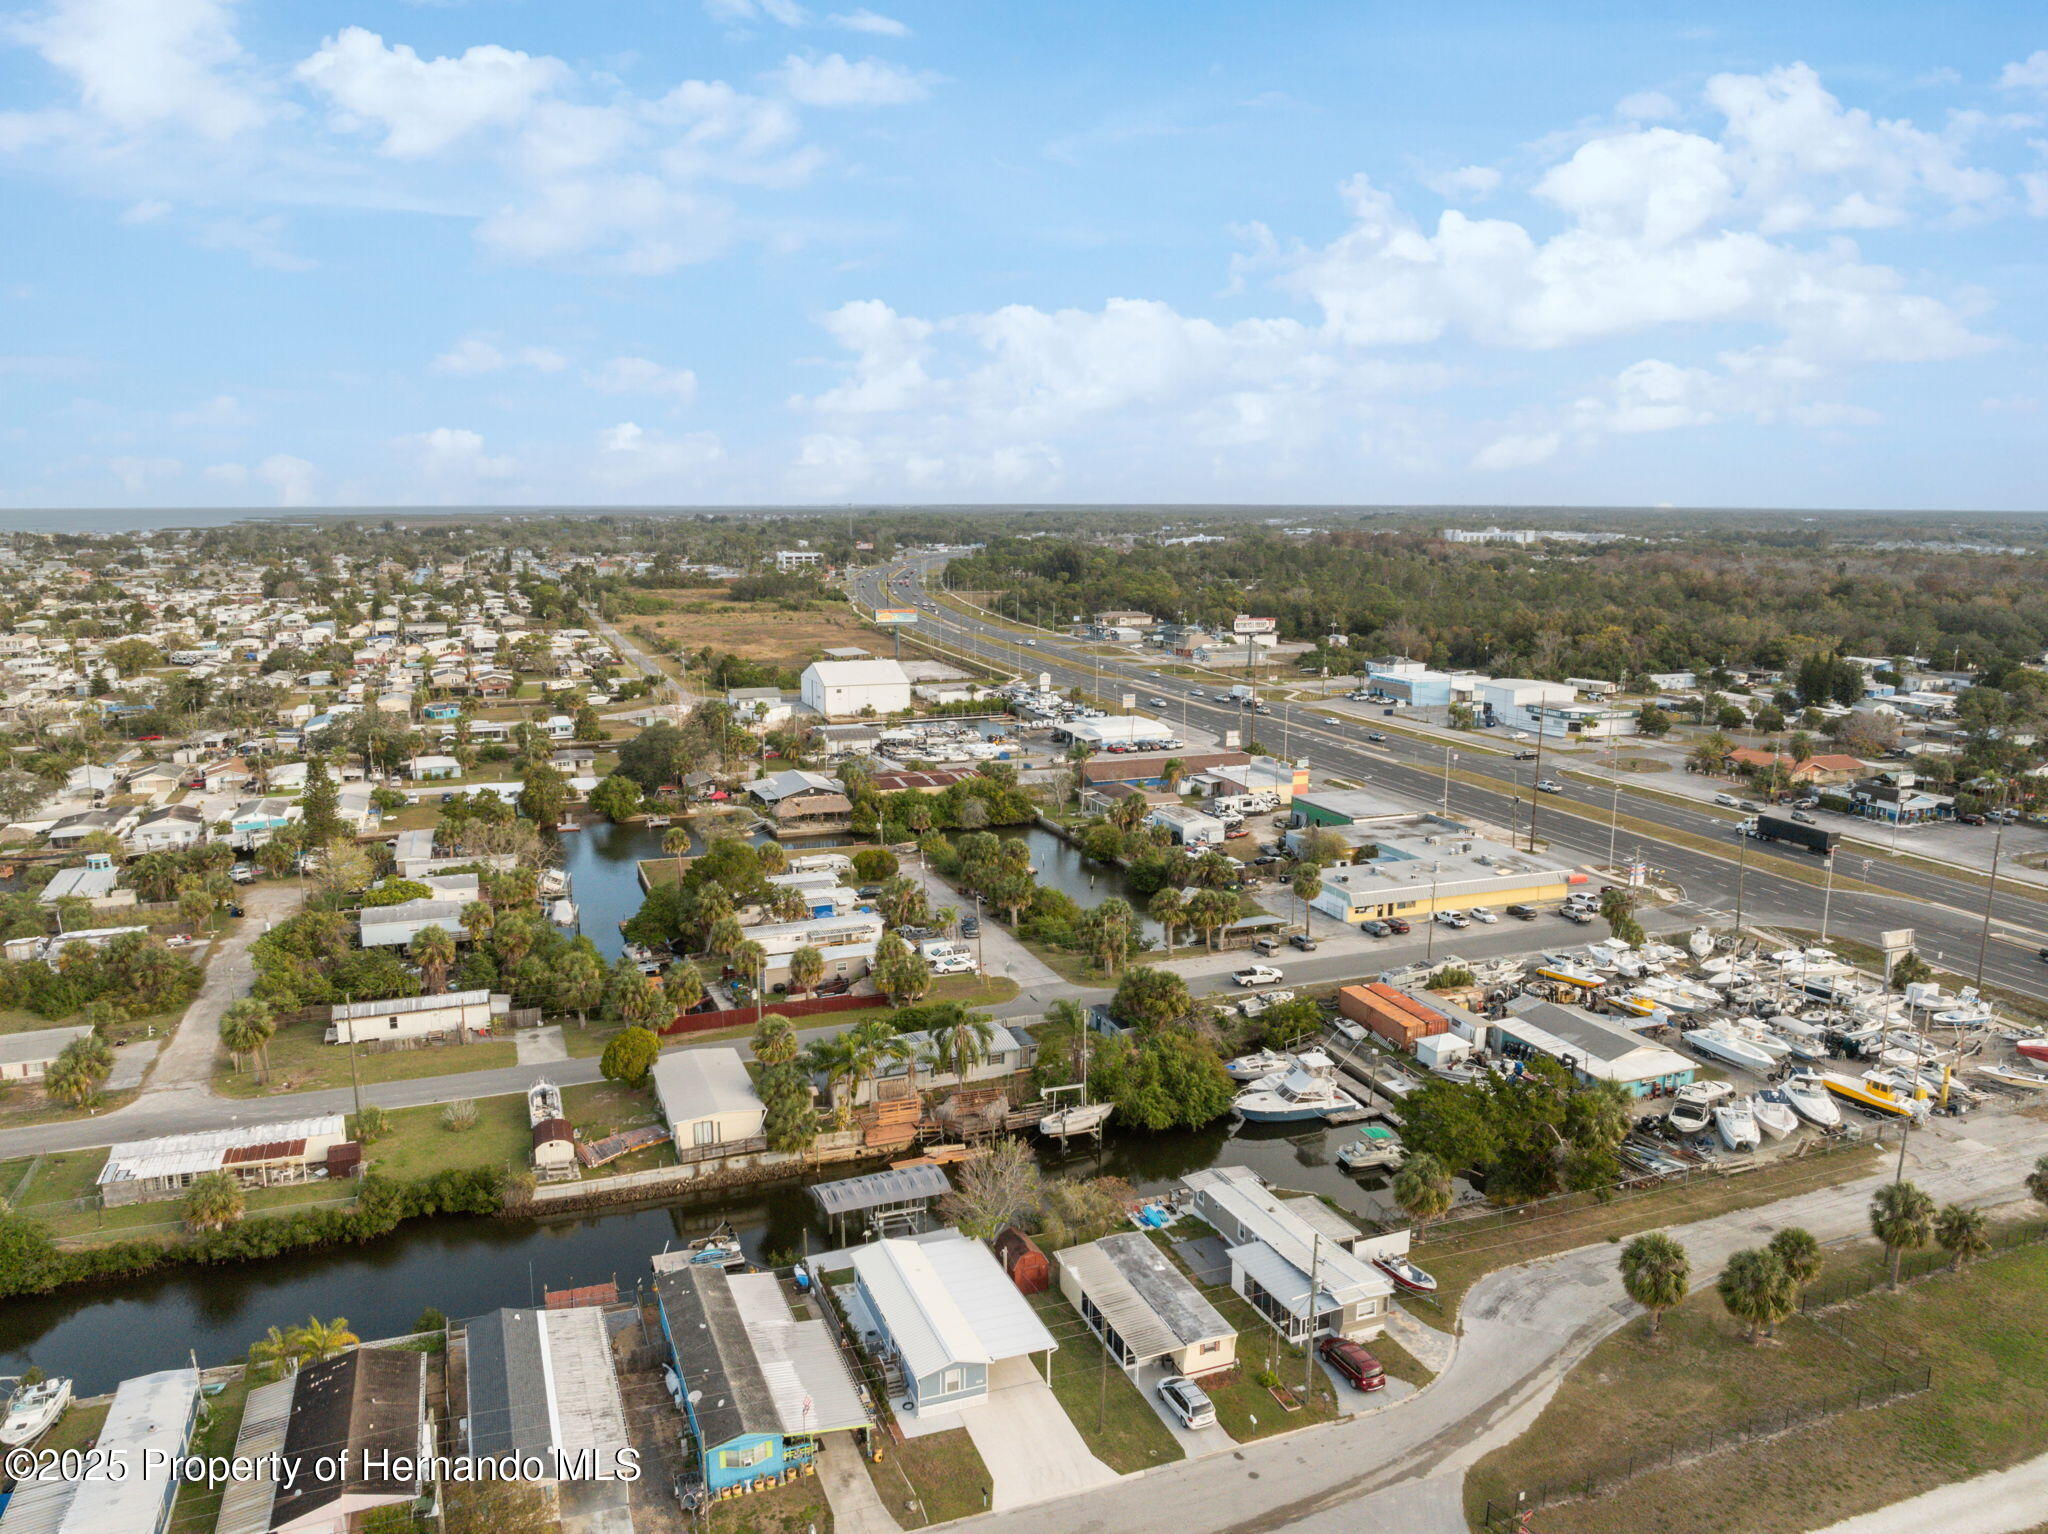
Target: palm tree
(433, 950)
(1307, 883)
(2037, 1181)
(1799, 1253)
(275, 1349)
(683, 984)
(725, 936)
(839, 1062)
(676, 843)
(1171, 771)
(1208, 911)
(1423, 1189)
(213, 1201)
(775, 1042)
(806, 969)
(1962, 1233)
(318, 1339)
(245, 1027)
(1125, 813)
(1656, 1273)
(1112, 927)
(876, 1043)
(476, 920)
(961, 1043)
(786, 904)
(1169, 907)
(1754, 1288)
(1901, 1216)
(751, 960)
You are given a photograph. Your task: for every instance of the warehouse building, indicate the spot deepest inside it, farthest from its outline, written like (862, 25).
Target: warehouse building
(846, 689)
(1415, 876)
(1590, 1047)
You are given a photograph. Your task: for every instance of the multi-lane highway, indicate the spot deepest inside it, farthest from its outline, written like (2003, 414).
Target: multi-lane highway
(1947, 914)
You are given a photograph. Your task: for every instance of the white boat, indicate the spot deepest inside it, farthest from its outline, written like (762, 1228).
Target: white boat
(32, 1411)
(563, 912)
(2015, 1076)
(1733, 1049)
(1080, 1118)
(656, 822)
(1705, 1092)
(720, 1249)
(1259, 1065)
(1701, 942)
(569, 825)
(1378, 1146)
(1689, 1117)
(1774, 1114)
(1809, 1098)
(553, 882)
(1737, 1125)
(1405, 1274)
(1974, 1015)
(1297, 1096)
(1761, 1037)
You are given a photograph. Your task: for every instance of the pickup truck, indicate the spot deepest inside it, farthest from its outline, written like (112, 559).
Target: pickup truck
(1258, 974)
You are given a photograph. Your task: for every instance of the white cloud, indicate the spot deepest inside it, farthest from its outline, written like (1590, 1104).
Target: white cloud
(1646, 106)
(453, 461)
(631, 457)
(424, 105)
(235, 474)
(144, 64)
(865, 20)
(291, 478)
(1518, 452)
(262, 240)
(147, 211)
(2028, 74)
(2009, 404)
(1469, 181)
(739, 12)
(835, 81)
(137, 474)
(472, 357)
(639, 375)
(222, 412)
(1655, 186)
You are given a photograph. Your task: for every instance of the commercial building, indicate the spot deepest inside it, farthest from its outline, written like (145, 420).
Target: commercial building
(1143, 1308)
(709, 1102)
(939, 1313)
(1303, 1280)
(1588, 721)
(452, 1014)
(130, 1485)
(1363, 808)
(759, 1386)
(787, 560)
(1410, 875)
(845, 689)
(1125, 730)
(1591, 1048)
(1519, 698)
(1149, 770)
(1188, 827)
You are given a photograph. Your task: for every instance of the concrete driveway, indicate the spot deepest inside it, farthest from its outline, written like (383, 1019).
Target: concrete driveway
(1194, 1441)
(1032, 1450)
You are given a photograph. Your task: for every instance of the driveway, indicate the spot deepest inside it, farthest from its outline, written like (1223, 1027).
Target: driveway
(1001, 953)
(2004, 1502)
(1194, 1441)
(857, 1508)
(186, 1061)
(1032, 1450)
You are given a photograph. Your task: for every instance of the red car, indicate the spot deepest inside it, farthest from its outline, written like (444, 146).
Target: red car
(1398, 926)
(1353, 1362)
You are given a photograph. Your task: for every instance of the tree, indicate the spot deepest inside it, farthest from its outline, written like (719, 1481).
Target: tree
(579, 981)
(1963, 1233)
(1423, 1189)
(1652, 721)
(79, 1069)
(543, 795)
(213, 1201)
(683, 984)
(1168, 907)
(1002, 1188)
(1902, 1218)
(961, 1042)
(1799, 1252)
(806, 969)
(1656, 1273)
(676, 842)
(1319, 844)
(751, 960)
(2037, 1181)
(476, 919)
(1307, 883)
(775, 1042)
(838, 1061)
(1709, 753)
(1110, 930)
(872, 865)
(1754, 1288)
(1170, 1079)
(320, 806)
(433, 950)
(1151, 998)
(617, 798)
(275, 1351)
(1910, 969)
(155, 877)
(318, 1340)
(630, 1056)
(246, 1026)
(900, 973)
(1209, 912)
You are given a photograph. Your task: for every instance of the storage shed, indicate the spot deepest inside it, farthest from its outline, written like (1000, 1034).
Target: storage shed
(1029, 1268)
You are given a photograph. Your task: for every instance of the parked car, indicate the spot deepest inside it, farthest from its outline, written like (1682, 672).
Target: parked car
(1187, 1401)
(1258, 974)
(836, 987)
(1353, 1362)
(242, 873)
(1522, 912)
(970, 925)
(1480, 913)
(1398, 925)
(1265, 858)
(1575, 914)
(1302, 941)
(1453, 919)
(1971, 819)
(1375, 928)
(1267, 946)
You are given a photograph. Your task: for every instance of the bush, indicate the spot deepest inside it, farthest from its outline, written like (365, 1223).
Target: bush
(459, 1115)
(630, 1056)
(372, 1124)
(871, 865)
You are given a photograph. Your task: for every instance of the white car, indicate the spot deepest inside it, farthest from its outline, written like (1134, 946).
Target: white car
(1258, 974)
(1479, 913)
(1187, 1401)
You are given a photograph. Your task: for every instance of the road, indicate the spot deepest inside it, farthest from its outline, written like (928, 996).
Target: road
(1946, 913)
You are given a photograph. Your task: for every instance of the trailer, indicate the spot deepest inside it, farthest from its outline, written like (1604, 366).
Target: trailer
(1776, 828)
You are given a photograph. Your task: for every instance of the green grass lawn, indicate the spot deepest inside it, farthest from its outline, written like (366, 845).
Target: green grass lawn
(17, 1020)
(1399, 1363)
(418, 1144)
(607, 1107)
(1988, 1408)
(1246, 1408)
(943, 1470)
(79, 1426)
(198, 1504)
(1110, 1412)
(33, 1183)
(302, 1061)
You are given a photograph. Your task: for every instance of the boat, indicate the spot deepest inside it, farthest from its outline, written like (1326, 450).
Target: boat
(1701, 942)
(1878, 1090)
(568, 825)
(1570, 974)
(1976, 1015)
(1296, 1096)
(1689, 1117)
(32, 1411)
(2015, 1076)
(543, 1102)
(1761, 1037)
(2034, 1048)
(720, 1249)
(553, 882)
(1736, 1125)
(1378, 1146)
(1080, 1117)
(1258, 1065)
(656, 822)
(1405, 1274)
(563, 912)
(1733, 1049)
(1809, 1098)
(1774, 1114)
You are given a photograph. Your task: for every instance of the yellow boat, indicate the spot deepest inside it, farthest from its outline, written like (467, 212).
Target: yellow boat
(1568, 976)
(1879, 1091)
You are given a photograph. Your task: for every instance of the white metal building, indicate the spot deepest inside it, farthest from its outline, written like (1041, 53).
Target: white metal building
(1522, 694)
(707, 1097)
(410, 1017)
(25, 1056)
(843, 689)
(131, 1488)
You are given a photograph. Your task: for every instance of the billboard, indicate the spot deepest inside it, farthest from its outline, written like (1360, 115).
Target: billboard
(1243, 625)
(894, 616)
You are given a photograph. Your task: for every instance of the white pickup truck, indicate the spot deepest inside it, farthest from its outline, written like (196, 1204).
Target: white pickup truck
(1258, 974)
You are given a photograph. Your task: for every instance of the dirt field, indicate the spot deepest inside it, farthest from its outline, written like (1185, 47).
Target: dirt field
(764, 631)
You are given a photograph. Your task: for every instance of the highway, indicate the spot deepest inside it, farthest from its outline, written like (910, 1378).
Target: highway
(1947, 914)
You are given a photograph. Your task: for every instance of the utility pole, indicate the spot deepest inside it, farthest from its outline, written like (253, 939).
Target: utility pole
(1991, 889)
(1536, 776)
(1308, 1345)
(1447, 782)
(1827, 899)
(1741, 878)
(354, 1075)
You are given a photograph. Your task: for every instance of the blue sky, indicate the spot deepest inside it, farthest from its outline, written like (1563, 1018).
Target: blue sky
(763, 251)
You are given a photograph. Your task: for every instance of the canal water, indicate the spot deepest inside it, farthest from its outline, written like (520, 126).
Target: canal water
(467, 1266)
(1060, 865)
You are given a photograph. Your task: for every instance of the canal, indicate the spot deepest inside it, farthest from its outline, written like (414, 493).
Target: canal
(466, 1266)
(1060, 865)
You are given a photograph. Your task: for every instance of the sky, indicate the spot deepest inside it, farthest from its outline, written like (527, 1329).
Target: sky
(673, 252)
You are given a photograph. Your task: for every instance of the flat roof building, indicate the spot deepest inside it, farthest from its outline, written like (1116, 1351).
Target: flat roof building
(1590, 1047)
(1143, 1308)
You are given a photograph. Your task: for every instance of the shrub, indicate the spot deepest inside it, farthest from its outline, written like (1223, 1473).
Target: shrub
(459, 1115)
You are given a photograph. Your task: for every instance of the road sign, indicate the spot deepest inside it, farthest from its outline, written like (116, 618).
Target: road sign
(1896, 942)
(1244, 625)
(891, 617)
(1130, 702)
(1232, 740)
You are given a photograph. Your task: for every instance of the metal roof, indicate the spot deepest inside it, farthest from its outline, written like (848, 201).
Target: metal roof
(726, 1392)
(805, 1372)
(949, 1275)
(1143, 1295)
(349, 1011)
(245, 1504)
(698, 1083)
(873, 1190)
(144, 1430)
(207, 1150)
(1280, 1278)
(1242, 1196)
(542, 1381)
(918, 1308)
